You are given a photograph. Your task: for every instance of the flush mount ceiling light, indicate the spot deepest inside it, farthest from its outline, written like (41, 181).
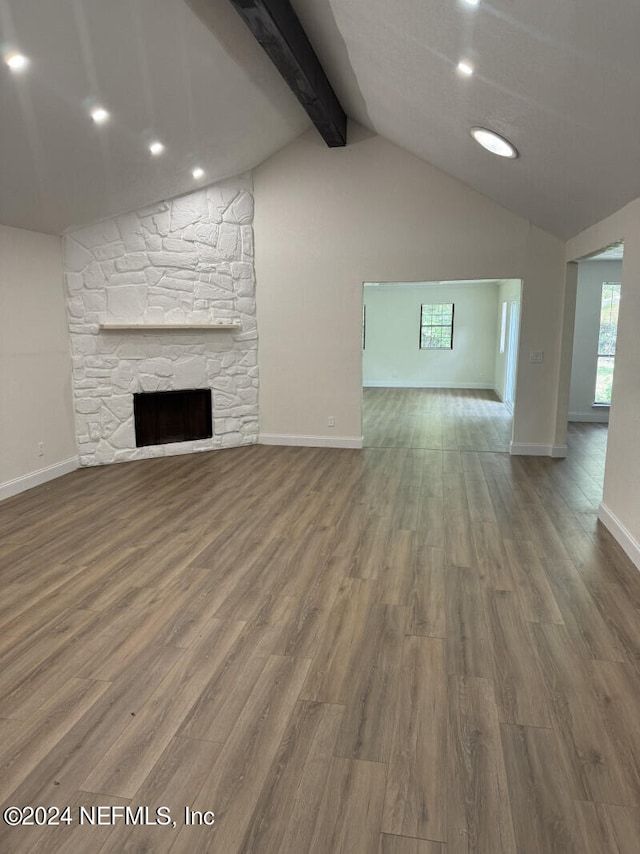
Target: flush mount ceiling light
(465, 68)
(494, 143)
(16, 61)
(156, 148)
(198, 173)
(99, 115)
(472, 2)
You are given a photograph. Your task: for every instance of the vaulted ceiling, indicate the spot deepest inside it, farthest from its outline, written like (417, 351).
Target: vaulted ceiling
(204, 89)
(561, 80)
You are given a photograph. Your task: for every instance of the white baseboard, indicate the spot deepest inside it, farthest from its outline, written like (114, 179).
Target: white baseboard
(618, 531)
(37, 478)
(416, 384)
(311, 441)
(595, 417)
(521, 449)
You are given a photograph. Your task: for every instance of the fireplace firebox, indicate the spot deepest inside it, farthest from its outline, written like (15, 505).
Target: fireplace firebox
(162, 417)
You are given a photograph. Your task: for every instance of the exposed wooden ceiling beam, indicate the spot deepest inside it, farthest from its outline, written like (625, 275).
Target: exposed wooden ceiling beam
(277, 28)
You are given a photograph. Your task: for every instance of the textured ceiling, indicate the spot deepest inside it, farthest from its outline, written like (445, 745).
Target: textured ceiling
(560, 79)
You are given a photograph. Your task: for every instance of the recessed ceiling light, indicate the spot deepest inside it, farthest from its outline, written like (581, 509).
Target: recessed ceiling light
(198, 172)
(494, 143)
(156, 148)
(473, 2)
(16, 61)
(465, 68)
(99, 115)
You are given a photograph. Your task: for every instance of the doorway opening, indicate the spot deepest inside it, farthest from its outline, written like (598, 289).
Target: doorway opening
(593, 362)
(439, 363)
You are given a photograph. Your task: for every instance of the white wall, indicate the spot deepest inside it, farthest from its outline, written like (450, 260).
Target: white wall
(508, 292)
(591, 275)
(620, 508)
(328, 220)
(35, 364)
(392, 356)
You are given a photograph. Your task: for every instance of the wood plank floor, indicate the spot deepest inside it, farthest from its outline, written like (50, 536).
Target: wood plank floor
(439, 419)
(411, 649)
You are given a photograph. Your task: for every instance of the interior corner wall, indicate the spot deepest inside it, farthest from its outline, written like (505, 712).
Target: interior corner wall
(620, 508)
(35, 363)
(564, 366)
(584, 363)
(541, 327)
(328, 220)
(392, 355)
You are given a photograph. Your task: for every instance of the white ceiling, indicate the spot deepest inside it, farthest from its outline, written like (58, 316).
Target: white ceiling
(214, 100)
(611, 253)
(560, 79)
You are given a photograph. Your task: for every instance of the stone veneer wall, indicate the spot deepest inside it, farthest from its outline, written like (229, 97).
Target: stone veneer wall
(187, 260)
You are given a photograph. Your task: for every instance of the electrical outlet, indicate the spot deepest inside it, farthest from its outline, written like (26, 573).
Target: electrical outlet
(536, 357)
(41, 449)
(331, 421)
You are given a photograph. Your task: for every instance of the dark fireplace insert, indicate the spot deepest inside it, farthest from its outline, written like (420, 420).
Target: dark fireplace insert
(162, 417)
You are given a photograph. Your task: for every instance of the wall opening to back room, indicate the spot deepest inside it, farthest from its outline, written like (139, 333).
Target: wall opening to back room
(598, 293)
(440, 359)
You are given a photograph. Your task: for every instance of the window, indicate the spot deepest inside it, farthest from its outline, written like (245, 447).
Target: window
(607, 341)
(436, 326)
(503, 327)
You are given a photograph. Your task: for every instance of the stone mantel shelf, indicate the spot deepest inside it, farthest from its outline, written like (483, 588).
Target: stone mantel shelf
(176, 327)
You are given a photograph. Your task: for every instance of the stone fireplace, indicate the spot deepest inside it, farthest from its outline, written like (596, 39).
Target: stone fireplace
(158, 300)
